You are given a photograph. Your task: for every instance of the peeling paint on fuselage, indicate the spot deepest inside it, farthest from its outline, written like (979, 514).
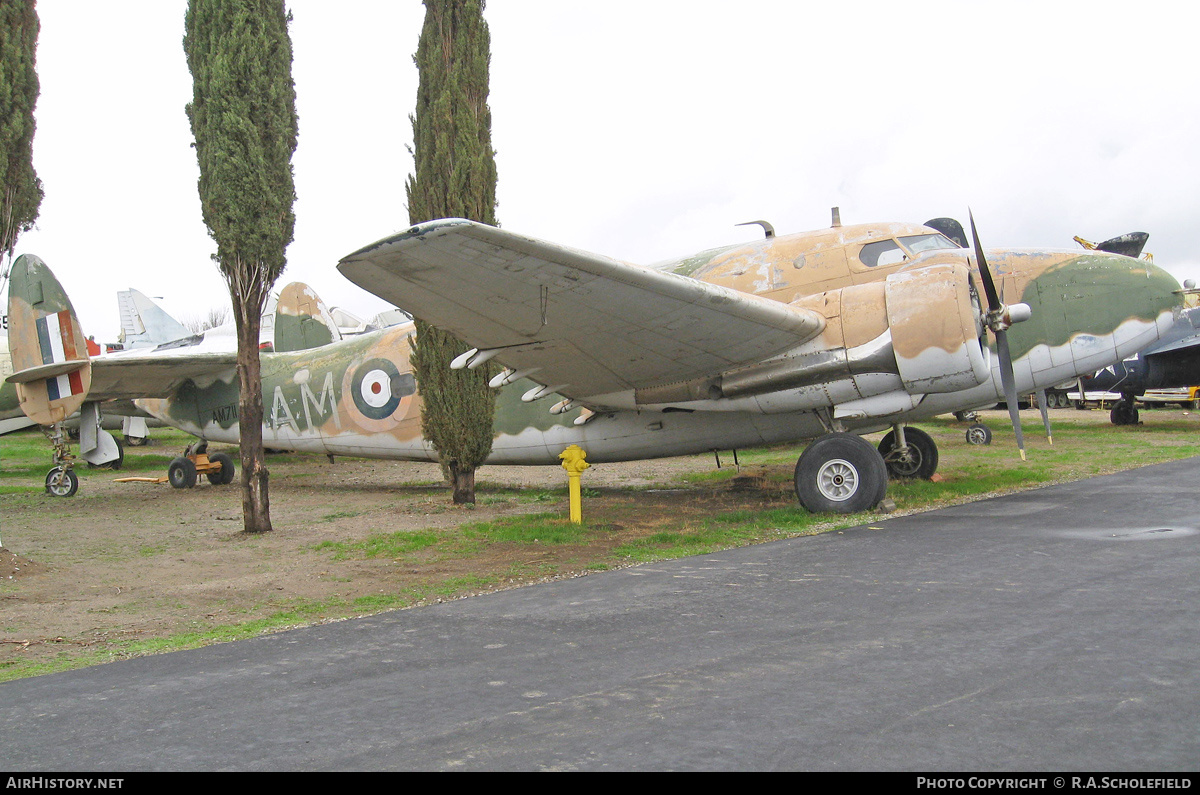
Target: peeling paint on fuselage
(356, 397)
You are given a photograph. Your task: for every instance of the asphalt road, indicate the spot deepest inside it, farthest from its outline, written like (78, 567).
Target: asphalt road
(1050, 630)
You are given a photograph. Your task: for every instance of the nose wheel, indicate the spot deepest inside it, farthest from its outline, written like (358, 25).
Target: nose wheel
(840, 473)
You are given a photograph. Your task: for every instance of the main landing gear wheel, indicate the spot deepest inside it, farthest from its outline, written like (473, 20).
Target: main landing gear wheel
(62, 482)
(840, 473)
(116, 463)
(919, 461)
(1124, 413)
(979, 434)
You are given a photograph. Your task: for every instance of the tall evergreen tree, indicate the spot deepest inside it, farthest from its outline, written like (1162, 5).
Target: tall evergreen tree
(455, 178)
(243, 116)
(20, 188)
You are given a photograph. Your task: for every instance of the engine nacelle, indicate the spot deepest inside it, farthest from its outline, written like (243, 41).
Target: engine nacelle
(920, 329)
(934, 319)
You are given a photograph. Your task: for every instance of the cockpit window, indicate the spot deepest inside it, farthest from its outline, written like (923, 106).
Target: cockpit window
(932, 242)
(881, 252)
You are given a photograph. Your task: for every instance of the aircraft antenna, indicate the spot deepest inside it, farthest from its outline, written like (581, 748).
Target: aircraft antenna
(770, 230)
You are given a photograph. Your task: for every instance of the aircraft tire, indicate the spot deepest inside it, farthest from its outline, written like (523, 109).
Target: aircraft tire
(840, 473)
(979, 434)
(1124, 413)
(116, 463)
(225, 476)
(924, 455)
(61, 482)
(182, 473)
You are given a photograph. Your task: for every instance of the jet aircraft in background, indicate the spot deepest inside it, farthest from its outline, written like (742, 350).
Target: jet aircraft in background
(822, 335)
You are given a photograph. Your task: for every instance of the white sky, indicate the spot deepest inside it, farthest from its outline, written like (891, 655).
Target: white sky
(642, 130)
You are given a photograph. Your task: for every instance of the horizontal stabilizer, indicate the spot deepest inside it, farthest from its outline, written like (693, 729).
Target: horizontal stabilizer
(51, 370)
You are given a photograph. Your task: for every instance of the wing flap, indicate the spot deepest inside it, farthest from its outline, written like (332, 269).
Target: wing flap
(599, 325)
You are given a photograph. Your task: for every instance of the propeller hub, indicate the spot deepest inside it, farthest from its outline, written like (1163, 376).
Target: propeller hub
(1008, 314)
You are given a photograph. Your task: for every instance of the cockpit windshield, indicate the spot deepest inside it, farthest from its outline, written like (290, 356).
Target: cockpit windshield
(930, 242)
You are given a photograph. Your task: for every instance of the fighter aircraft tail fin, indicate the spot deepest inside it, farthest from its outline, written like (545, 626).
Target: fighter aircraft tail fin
(144, 323)
(302, 320)
(51, 368)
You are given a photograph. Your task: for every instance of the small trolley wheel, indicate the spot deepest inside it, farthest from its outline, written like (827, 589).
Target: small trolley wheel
(62, 482)
(979, 434)
(182, 473)
(224, 476)
(840, 473)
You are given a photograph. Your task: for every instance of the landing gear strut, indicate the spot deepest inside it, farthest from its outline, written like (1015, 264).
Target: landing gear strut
(61, 481)
(840, 473)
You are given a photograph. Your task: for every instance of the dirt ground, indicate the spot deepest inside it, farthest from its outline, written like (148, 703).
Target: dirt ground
(85, 577)
(127, 561)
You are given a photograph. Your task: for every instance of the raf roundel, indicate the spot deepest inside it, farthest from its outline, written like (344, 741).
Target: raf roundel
(378, 387)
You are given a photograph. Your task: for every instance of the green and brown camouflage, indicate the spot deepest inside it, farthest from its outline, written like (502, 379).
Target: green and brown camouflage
(49, 358)
(855, 328)
(302, 320)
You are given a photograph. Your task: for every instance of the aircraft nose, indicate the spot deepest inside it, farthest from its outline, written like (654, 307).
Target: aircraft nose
(1099, 307)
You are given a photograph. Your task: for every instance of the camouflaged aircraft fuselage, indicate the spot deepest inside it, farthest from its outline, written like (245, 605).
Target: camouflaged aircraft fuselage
(900, 341)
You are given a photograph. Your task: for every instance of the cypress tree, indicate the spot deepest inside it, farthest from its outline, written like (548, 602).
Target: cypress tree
(455, 177)
(20, 188)
(243, 117)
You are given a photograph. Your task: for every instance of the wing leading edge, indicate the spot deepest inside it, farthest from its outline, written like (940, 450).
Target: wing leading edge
(582, 323)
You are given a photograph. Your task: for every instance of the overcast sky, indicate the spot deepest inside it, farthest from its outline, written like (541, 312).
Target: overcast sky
(642, 130)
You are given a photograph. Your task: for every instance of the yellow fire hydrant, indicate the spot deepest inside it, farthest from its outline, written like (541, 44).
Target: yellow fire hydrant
(572, 461)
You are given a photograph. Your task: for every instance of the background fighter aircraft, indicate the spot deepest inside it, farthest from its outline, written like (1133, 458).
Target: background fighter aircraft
(823, 335)
(300, 320)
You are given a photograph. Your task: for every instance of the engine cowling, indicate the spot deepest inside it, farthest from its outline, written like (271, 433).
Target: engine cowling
(934, 320)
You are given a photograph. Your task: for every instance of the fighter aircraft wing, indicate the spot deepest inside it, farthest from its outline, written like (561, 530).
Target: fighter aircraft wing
(145, 375)
(583, 323)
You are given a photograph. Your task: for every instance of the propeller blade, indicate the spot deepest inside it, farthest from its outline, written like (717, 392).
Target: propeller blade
(999, 325)
(1010, 388)
(1041, 396)
(985, 274)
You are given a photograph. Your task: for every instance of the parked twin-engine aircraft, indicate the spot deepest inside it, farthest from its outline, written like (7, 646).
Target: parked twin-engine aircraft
(821, 335)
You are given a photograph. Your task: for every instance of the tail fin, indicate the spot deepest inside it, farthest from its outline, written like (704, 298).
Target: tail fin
(144, 323)
(302, 320)
(50, 363)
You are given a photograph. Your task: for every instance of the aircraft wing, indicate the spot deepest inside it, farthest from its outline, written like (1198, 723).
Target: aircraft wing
(582, 323)
(144, 375)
